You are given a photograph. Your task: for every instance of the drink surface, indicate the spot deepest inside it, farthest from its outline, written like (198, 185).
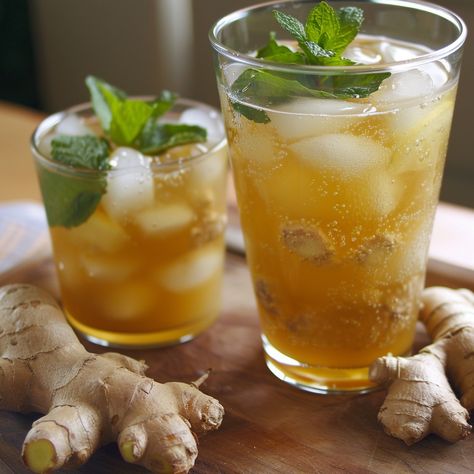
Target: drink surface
(146, 266)
(337, 200)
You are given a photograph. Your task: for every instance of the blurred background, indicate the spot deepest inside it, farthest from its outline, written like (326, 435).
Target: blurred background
(47, 47)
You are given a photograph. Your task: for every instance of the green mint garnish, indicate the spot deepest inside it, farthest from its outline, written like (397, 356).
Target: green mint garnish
(321, 41)
(70, 199)
(157, 137)
(123, 119)
(279, 53)
(257, 83)
(87, 151)
(131, 122)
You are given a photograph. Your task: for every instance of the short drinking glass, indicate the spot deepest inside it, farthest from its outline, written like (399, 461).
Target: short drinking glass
(145, 268)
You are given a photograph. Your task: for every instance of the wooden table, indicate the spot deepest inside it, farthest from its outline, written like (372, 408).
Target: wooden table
(269, 426)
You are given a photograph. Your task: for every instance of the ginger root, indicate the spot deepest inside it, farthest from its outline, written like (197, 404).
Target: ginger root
(89, 399)
(420, 400)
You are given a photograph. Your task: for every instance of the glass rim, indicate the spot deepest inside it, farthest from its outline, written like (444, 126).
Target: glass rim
(397, 66)
(52, 120)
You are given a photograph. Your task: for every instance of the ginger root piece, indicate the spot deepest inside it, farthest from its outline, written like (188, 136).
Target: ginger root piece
(376, 248)
(308, 243)
(420, 400)
(89, 399)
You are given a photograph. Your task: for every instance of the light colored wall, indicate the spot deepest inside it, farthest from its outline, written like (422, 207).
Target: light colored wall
(144, 46)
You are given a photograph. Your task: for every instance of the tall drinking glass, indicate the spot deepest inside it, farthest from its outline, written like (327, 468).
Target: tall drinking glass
(337, 196)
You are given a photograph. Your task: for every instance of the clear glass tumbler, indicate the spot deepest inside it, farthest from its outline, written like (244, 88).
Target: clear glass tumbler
(337, 196)
(145, 268)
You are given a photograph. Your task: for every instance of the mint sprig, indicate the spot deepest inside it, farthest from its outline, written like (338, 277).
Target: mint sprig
(70, 198)
(121, 118)
(321, 41)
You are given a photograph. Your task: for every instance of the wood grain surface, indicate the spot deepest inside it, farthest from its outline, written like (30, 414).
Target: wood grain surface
(269, 426)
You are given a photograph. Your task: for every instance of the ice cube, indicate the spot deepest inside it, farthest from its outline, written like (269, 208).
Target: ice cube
(107, 268)
(73, 125)
(292, 191)
(101, 233)
(258, 146)
(392, 53)
(129, 183)
(374, 251)
(310, 244)
(164, 219)
(44, 146)
(208, 119)
(380, 194)
(363, 54)
(192, 270)
(128, 301)
(405, 86)
(421, 134)
(314, 117)
(210, 168)
(348, 155)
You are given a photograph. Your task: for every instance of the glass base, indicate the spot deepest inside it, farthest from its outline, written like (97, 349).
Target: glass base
(316, 379)
(126, 340)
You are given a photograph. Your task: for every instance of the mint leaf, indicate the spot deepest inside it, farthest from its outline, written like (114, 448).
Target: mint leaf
(272, 51)
(162, 104)
(357, 85)
(157, 137)
(269, 88)
(96, 87)
(350, 22)
(121, 118)
(322, 40)
(70, 200)
(264, 88)
(322, 25)
(291, 24)
(251, 113)
(272, 48)
(86, 151)
(297, 30)
(128, 117)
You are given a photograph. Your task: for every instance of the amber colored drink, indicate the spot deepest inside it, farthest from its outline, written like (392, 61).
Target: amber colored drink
(146, 267)
(337, 200)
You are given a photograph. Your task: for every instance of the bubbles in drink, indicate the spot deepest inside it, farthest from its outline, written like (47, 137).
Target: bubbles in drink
(345, 154)
(336, 219)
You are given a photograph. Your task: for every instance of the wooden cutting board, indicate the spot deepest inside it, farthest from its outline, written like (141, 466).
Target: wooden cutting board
(269, 427)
